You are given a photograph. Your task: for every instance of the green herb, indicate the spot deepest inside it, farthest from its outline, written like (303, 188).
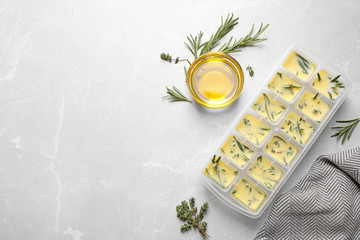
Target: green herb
(215, 162)
(319, 78)
(345, 130)
(335, 79)
(290, 87)
(316, 111)
(316, 95)
(239, 144)
(224, 29)
(280, 74)
(175, 95)
(298, 127)
(280, 138)
(167, 57)
(330, 96)
(248, 187)
(303, 63)
(246, 121)
(267, 105)
(194, 44)
(188, 213)
(248, 40)
(250, 70)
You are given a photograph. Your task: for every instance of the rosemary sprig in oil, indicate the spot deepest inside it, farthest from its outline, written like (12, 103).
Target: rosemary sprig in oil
(345, 130)
(303, 63)
(290, 87)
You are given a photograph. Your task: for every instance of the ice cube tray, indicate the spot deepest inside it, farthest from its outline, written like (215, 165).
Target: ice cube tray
(271, 136)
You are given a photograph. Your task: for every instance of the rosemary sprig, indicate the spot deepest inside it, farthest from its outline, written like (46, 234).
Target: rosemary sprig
(194, 44)
(345, 130)
(224, 29)
(267, 105)
(187, 212)
(248, 40)
(290, 87)
(175, 95)
(303, 63)
(239, 144)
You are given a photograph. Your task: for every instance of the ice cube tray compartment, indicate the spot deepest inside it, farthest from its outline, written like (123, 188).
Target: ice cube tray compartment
(269, 124)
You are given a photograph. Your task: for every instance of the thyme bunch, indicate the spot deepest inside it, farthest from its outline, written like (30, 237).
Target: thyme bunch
(188, 213)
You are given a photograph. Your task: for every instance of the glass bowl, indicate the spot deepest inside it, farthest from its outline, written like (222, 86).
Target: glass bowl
(215, 80)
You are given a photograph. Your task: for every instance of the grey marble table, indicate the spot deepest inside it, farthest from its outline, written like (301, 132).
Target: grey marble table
(90, 151)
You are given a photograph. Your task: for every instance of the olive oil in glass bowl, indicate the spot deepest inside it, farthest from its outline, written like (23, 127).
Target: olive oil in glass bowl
(215, 80)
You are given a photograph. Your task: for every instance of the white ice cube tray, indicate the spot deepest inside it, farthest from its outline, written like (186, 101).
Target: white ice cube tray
(242, 172)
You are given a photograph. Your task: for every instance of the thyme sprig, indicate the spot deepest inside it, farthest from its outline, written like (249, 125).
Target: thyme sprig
(167, 57)
(187, 212)
(345, 130)
(175, 95)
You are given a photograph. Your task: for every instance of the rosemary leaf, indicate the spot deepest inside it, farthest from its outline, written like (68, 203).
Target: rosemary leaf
(345, 130)
(248, 40)
(316, 95)
(175, 95)
(194, 44)
(224, 29)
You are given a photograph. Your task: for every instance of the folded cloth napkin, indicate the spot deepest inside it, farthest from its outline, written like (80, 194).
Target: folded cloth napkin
(324, 204)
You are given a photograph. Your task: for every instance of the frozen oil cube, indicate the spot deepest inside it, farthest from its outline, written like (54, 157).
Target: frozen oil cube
(248, 194)
(281, 150)
(298, 128)
(312, 106)
(328, 85)
(300, 66)
(220, 172)
(265, 172)
(269, 108)
(237, 151)
(284, 86)
(253, 129)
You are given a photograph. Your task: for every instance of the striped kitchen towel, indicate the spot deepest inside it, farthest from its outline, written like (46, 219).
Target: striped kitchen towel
(324, 204)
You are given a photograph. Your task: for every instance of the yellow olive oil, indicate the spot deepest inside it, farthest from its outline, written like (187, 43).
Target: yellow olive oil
(215, 80)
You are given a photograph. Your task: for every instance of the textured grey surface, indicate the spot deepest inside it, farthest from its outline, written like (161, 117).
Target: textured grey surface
(89, 150)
